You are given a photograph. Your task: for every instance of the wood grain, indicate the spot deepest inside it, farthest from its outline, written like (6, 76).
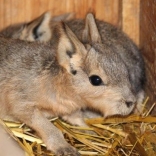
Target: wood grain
(14, 11)
(148, 45)
(131, 19)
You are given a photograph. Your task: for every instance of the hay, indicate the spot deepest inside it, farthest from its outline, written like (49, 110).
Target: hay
(121, 136)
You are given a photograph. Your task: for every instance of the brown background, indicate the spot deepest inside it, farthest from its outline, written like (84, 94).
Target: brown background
(136, 17)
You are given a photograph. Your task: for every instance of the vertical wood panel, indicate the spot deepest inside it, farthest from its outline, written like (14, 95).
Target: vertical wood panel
(131, 19)
(148, 45)
(6, 14)
(15, 13)
(111, 11)
(1, 13)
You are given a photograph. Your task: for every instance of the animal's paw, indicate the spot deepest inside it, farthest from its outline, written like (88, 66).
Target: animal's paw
(67, 151)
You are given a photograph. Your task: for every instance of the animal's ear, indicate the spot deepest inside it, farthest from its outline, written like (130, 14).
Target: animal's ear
(64, 17)
(71, 51)
(38, 29)
(90, 33)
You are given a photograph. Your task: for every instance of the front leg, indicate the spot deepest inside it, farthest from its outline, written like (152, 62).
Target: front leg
(51, 136)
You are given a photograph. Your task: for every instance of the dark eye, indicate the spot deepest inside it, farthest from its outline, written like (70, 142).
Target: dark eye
(95, 80)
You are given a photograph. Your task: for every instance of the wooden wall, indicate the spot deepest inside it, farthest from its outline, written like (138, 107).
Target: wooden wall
(123, 13)
(148, 45)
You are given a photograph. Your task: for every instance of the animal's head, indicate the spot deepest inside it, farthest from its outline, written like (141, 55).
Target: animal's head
(96, 73)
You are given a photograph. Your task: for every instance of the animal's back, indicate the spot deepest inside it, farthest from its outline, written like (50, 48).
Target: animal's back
(16, 54)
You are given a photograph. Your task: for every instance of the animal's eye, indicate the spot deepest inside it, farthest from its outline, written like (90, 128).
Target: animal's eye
(95, 80)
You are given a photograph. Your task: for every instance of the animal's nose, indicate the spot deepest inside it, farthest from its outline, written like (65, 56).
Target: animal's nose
(129, 103)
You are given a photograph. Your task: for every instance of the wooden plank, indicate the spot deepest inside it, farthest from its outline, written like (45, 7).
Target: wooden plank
(1, 14)
(130, 19)
(6, 14)
(148, 45)
(15, 11)
(108, 10)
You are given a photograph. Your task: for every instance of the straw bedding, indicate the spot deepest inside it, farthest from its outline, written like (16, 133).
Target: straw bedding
(116, 136)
